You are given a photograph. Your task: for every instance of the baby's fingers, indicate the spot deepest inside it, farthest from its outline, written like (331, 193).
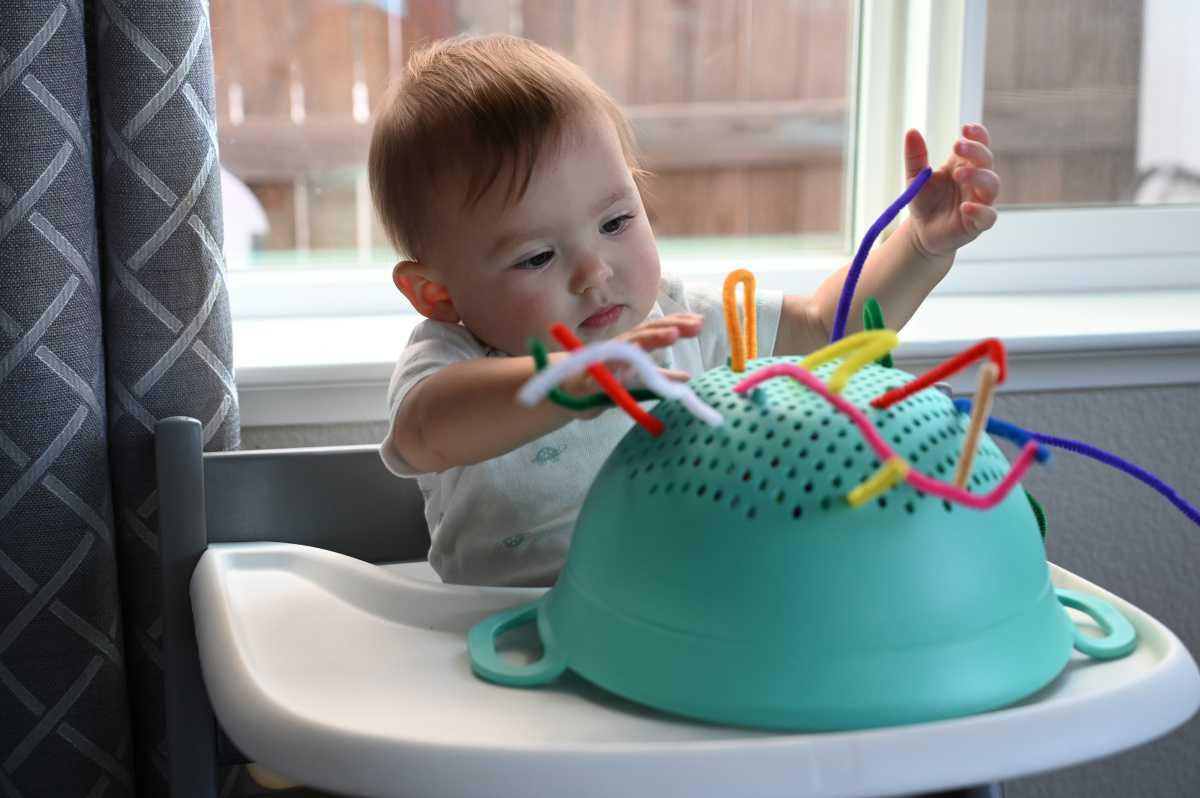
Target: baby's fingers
(975, 153)
(978, 217)
(688, 324)
(982, 185)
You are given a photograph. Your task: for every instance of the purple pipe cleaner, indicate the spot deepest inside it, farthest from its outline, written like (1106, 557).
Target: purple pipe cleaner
(1086, 449)
(860, 257)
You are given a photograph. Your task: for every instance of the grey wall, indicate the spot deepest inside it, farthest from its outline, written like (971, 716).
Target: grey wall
(1103, 525)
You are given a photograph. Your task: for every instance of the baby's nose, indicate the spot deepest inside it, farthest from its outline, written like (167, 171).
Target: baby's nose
(591, 271)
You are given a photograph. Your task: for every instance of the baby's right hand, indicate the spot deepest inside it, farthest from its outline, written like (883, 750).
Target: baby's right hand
(650, 336)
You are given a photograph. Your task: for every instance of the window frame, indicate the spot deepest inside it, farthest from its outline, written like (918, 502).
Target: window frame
(913, 64)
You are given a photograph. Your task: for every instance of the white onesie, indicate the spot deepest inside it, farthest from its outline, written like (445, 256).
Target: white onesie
(508, 520)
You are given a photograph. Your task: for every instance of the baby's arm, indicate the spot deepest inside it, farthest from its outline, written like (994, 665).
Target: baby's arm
(952, 209)
(467, 412)
(896, 274)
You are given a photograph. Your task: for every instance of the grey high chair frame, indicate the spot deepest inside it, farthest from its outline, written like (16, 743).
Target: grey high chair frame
(339, 498)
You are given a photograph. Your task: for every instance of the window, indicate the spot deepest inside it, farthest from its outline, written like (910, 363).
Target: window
(773, 127)
(742, 111)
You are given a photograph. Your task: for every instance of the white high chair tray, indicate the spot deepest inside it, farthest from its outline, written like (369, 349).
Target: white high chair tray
(355, 678)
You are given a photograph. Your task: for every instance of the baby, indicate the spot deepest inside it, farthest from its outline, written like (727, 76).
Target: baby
(508, 181)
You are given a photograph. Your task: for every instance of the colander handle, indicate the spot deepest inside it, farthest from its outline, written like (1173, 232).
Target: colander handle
(481, 641)
(1119, 639)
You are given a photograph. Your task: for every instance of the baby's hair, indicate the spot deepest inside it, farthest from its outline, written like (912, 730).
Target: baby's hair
(476, 108)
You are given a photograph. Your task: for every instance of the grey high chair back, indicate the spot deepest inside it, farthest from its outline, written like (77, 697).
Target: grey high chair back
(339, 498)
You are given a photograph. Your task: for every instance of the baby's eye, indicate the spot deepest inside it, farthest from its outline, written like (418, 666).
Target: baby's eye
(535, 262)
(614, 226)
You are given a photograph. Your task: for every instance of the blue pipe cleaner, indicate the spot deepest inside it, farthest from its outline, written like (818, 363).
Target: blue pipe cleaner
(1011, 431)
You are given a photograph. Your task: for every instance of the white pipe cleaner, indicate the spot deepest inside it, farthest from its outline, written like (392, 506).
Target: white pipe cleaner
(539, 386)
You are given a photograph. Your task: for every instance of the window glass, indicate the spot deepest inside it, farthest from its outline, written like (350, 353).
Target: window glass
(740, 109)
(1094, 101)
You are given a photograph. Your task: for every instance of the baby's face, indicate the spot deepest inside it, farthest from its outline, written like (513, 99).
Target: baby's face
(577, 248)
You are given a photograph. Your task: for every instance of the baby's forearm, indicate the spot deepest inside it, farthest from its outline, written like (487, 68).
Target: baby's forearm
(897, 274)
(468, 412)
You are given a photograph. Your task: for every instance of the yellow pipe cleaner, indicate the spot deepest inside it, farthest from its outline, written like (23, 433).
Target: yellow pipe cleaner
(884, 479)
(740, 350)
(863, 347)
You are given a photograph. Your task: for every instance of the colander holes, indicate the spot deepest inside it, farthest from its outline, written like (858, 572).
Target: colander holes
(737, 422)
(837, 482)
(730, 468)
(842, 432)
(670, 486)
(858, 447)
(654, 489)
(717, 494)
(758, 453)
(752, 428)
(848, 463)
(700, 491)
(791, 473)
(713, 463)
(774, 462)
(940, 468)
(803, 453)
(685, 487)
(697, 461)
(816, 436)
(741, 447)
(762, 484)
(779, 497)
(820, 466)
(825, 421)
(896, 439)
(649, 467)
(882, 502)
(633, 473)
(786, 442)
(693, 439)
(808, 487)
(947, 506)
(751, 513)
(910, 508)
(826, 503)
(831, 448)
(797, 426)
(733, 505)
(797, 511)
(682, 460)
(708, 441)
(747, 476)
(769, 434)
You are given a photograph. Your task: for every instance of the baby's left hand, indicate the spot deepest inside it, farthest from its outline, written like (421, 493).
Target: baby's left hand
(955, 206)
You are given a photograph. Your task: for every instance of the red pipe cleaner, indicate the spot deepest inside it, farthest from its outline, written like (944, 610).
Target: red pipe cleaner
(990, 347)
(609, 383)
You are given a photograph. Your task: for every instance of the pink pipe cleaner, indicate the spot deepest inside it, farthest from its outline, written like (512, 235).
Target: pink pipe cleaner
(884, 451)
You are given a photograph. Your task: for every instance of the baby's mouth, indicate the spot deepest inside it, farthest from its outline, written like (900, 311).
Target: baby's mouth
(603, 317)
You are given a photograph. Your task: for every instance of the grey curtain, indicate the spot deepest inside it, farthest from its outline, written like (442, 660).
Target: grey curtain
(113, 313)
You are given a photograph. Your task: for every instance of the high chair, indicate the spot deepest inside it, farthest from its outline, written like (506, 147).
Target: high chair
(295, 579)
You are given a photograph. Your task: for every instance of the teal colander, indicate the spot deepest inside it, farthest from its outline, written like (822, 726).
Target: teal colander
(720, 573)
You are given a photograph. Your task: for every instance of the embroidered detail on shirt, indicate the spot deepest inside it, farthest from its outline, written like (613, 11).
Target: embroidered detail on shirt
(548, 454)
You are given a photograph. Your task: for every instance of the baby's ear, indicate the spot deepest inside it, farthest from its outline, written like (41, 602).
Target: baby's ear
(431, 299)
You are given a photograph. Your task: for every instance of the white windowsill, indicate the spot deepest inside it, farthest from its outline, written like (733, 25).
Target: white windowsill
(336, 369)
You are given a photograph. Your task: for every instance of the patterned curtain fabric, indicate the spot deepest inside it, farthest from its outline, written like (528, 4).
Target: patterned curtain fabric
(113, 313)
